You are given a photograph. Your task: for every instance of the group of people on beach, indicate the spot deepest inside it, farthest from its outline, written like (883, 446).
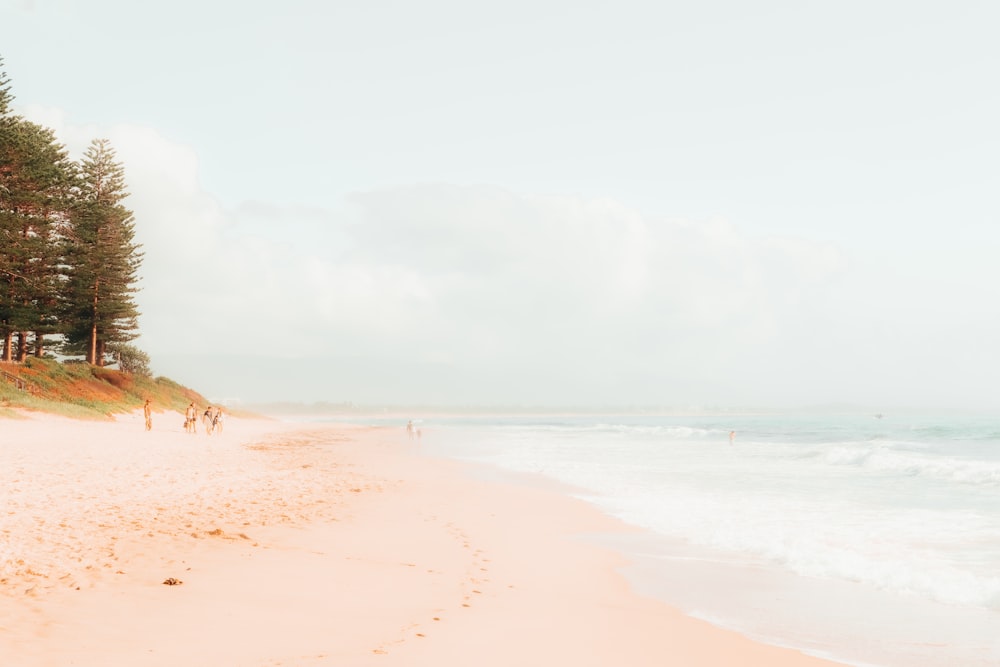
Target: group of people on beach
(212, 419)
(412, 430)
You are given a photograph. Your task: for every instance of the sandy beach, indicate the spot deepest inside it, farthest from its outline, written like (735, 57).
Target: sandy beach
(307, 545)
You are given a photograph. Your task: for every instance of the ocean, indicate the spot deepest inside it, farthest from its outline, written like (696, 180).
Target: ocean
(872, 540)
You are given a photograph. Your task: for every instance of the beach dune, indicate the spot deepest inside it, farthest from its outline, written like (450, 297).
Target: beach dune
(304, 545)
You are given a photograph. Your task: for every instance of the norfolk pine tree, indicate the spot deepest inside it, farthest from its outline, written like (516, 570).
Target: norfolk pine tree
(104, 259)
(5, 95)
(36, 179)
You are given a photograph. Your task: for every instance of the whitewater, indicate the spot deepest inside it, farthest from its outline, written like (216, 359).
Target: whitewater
(871, 539)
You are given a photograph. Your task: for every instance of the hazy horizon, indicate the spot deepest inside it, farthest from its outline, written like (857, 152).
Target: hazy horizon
(397, 412)
(632, 203)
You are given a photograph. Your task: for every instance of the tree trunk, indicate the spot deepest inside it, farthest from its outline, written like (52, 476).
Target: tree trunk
(5, 353)
(100, 353)
(39, 344)
(92, 351)
(22, 346)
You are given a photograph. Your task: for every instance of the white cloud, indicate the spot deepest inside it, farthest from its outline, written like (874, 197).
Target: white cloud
(558, 287)
(535, 297)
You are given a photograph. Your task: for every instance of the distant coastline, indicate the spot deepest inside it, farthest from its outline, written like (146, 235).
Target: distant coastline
(333, 409)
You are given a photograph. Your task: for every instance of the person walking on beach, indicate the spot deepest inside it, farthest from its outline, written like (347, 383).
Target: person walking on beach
(409, 429)
(147, 412)
(217, 421)
(206, 420)
(732, 437)
(191, 418)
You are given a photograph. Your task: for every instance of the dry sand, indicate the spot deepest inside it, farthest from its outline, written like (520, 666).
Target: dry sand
(309, 546)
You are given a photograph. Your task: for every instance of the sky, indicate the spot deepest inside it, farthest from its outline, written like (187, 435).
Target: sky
(548, 203)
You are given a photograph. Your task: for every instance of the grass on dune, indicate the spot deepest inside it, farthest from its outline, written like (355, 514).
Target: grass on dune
(82, 391)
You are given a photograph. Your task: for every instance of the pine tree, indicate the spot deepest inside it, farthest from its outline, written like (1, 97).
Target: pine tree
(104, 259)
(5, 95)
(36, 179)
(68, 258)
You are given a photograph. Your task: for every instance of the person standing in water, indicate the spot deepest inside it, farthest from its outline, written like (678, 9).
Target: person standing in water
(732, 437)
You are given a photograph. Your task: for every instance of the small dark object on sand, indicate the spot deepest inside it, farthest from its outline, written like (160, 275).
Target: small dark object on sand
(170, 581)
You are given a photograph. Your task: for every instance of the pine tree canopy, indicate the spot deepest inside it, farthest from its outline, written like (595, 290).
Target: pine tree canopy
(69, 262)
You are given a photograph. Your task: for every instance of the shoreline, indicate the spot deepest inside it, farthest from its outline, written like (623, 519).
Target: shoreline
(305, 544)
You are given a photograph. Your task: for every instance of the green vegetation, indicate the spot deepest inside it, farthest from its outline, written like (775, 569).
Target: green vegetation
(69, 263)
(84, 391)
